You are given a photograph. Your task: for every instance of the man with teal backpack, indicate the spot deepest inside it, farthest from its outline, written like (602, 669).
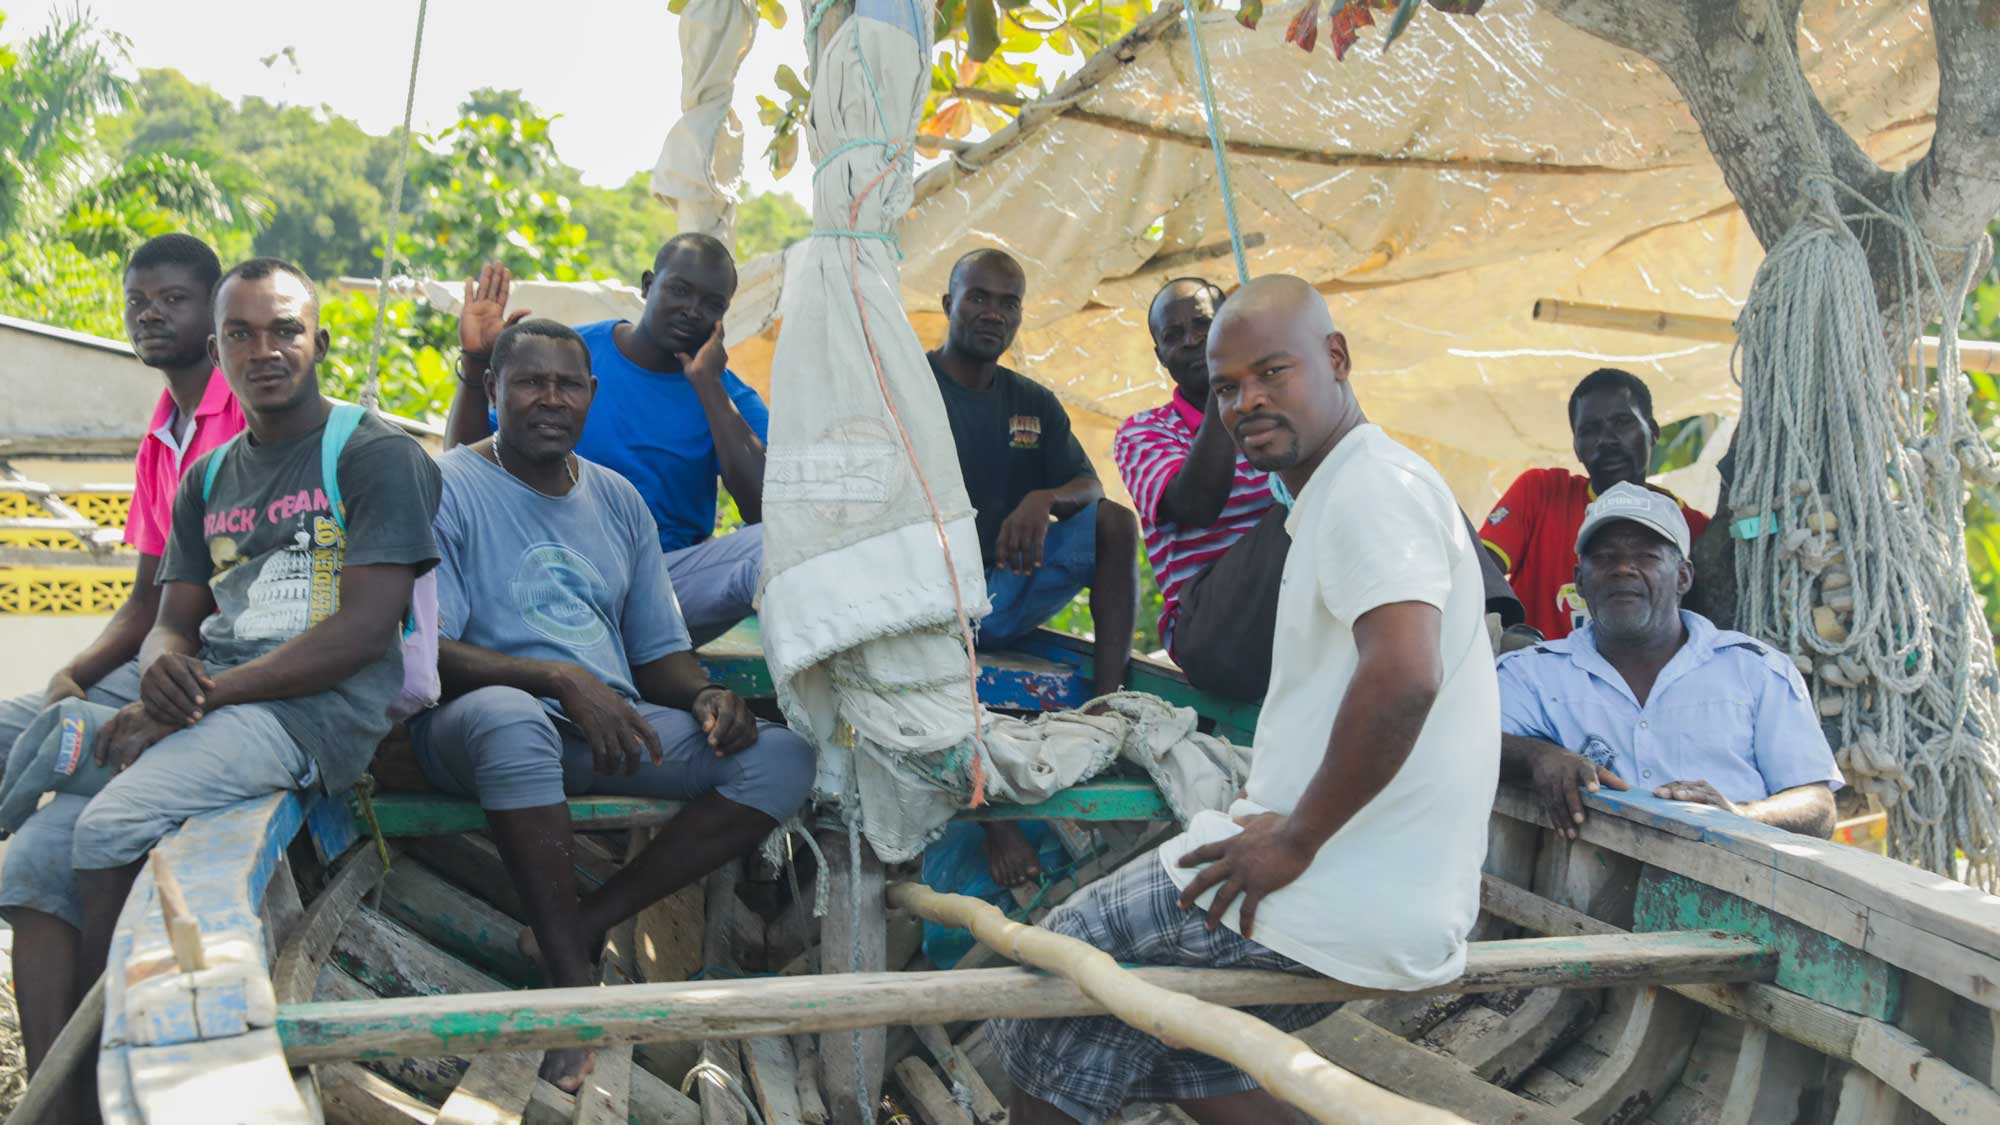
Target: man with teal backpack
(288, 577)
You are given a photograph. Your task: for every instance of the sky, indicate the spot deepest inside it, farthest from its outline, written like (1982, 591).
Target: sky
(609, 68)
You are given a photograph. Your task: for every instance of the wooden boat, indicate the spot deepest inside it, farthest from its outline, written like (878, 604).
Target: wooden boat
(1674, 965)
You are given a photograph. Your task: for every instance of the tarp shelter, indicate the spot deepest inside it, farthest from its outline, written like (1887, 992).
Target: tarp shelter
(1433, 192)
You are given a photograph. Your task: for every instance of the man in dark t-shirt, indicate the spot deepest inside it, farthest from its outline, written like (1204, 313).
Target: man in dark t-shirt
(1045, 529)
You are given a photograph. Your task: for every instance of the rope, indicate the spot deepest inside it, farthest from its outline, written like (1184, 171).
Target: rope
(1847, 504)
(370, 390)
(1215, 143)
(716, 1076)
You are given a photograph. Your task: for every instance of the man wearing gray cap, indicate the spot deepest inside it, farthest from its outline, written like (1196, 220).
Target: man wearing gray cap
(1651, 695)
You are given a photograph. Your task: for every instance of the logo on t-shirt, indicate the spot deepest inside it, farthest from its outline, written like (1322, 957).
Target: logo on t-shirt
(1498, 515)
(558, 592)
(1569, 602)
(1025, 431)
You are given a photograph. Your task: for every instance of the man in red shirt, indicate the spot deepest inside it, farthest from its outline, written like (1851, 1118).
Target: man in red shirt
(1532, 530)
(169, 316)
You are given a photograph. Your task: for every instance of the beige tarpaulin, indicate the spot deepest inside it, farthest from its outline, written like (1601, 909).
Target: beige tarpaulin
(1432, 193)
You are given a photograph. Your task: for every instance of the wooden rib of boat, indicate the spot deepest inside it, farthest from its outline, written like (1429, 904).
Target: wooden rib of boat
(1674, 965)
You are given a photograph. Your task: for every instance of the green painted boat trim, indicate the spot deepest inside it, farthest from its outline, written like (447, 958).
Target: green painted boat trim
(1810, 963)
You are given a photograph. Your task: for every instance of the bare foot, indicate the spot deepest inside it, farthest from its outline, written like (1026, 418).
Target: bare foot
(566, 1069)
(1009, 856)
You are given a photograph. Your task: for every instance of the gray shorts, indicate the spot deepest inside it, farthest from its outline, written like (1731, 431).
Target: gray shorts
(501, 745)
(715, 581)
(233, 754)
(1090, 1067)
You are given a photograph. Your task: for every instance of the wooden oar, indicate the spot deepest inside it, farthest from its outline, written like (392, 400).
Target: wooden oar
(1289, 1069)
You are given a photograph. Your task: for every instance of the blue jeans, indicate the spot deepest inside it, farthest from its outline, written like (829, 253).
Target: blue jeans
(1022, 602)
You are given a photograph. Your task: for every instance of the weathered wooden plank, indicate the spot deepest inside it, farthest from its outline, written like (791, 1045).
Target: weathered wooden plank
(1866, 1100)
(300, 960)
(473, 863)
(1935, 1086)
(1941, 907)
(719, 1079)
(1546, 1020)
(653, 1101)
(958, 1071)
(494, 1091)
(606, 1095)
(456, 921)
(1890, 1054)
(1769, 1073)
(774, 1076)
(812, 1103)
(425, 814)
(351, 1095)
(241, 1080)
(927, 1095)
(854, 939)
(782, 1005)
(1396, 1064)
(1642, 1064)
(1810, 963)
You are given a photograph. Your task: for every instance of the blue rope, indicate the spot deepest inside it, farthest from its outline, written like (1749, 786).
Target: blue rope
(1215, 143)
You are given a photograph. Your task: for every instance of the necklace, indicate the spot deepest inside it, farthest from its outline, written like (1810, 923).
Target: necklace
(569, 463)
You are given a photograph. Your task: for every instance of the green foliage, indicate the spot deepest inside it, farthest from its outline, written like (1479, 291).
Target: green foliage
(1681, 443)
(1075, 618)
(419, 345)
(626, 224)
(53, 282)
(60, 81)
(769, 222)
(480, 196)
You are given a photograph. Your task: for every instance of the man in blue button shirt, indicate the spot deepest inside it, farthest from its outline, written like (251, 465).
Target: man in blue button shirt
(1650, 694)
(670, 417)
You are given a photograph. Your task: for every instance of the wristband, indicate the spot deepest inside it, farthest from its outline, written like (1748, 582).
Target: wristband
(484, 359)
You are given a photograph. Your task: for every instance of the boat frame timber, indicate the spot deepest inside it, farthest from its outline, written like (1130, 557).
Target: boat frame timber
(1877, 982)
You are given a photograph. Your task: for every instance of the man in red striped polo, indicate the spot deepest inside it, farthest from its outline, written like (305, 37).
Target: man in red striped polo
(1198, 498)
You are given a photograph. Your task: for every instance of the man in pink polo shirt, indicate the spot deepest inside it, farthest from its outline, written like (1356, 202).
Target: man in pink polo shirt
(169, 316)
(1199, 500)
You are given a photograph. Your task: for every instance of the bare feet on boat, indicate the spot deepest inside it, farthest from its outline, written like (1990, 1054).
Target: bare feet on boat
(566, 1069)
(1009, 856)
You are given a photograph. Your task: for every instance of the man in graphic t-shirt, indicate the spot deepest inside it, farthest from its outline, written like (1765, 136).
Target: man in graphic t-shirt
(1532, 530)
(168, 318)
(1045, 529)
(1355, 852)
(670, 417)
(277, 649)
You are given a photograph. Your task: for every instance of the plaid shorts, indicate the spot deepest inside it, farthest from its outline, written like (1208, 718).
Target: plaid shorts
(1091, 1067)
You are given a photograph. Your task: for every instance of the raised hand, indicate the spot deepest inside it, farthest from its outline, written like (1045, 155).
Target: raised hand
(483, 312)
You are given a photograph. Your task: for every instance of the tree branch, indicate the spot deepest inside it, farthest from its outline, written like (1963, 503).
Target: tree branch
(1958, 182)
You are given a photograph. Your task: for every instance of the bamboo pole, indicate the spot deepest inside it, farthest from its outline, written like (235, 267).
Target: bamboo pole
(1973, 355)
(1289, 1069)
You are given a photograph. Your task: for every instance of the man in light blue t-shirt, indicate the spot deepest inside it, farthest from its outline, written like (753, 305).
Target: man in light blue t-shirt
(568, 670)
(670, 417)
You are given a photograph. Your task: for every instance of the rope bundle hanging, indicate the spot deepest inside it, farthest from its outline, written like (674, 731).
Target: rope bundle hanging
(1848, 495)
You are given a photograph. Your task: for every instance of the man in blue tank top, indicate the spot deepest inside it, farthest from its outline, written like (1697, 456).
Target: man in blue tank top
(670, 417)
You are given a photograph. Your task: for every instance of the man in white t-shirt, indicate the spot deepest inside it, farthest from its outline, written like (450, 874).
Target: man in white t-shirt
(1356, 851)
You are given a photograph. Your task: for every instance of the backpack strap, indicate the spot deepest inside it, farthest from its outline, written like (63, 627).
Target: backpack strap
(215, 466)
(339, 427)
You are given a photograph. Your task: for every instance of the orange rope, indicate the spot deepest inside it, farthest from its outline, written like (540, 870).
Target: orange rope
(937, 517)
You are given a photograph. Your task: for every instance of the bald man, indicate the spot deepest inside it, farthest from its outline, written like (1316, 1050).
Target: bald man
(1355, 852)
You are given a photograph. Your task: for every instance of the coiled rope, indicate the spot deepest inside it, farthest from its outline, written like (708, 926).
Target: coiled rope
(1849, 493)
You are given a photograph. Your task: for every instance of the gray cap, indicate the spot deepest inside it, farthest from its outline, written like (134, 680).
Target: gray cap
(1650, 509)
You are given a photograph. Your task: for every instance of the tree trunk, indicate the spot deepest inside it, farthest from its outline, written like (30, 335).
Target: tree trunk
(1737, 64)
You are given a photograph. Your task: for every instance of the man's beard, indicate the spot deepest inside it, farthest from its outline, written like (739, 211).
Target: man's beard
(187, 357)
